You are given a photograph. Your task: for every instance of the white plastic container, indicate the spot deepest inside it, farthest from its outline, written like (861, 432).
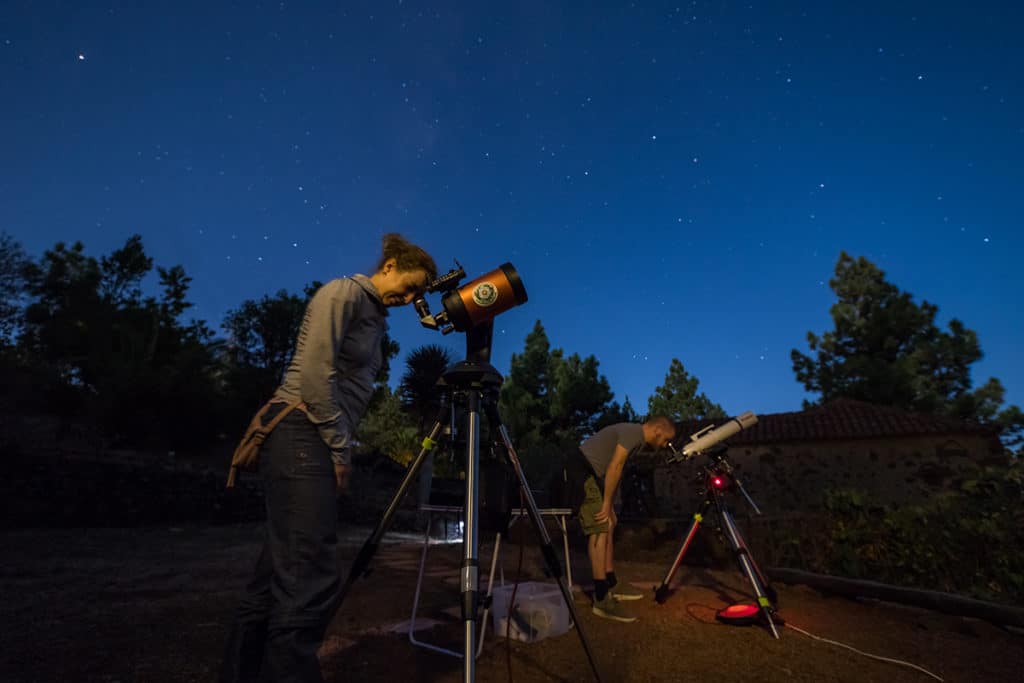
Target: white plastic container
(539, 612)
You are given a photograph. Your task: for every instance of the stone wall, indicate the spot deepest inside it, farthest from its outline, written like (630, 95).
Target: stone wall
(793, 477)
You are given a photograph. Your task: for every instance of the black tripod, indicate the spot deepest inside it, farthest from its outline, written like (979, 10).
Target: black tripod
(718, 478)
(475, 382)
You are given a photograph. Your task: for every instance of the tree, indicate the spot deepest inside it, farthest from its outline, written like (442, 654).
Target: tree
(100, 350)
(13, 264)
(886, 349)
(616, 413)
(122, 273)
(262, 334)
(577, 397)
(418, 391)
(388, 430)
(678, 400)
(65, 322)
(550, 402)
(524, 395)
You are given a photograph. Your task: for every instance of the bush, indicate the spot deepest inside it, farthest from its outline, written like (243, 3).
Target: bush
(965, 541)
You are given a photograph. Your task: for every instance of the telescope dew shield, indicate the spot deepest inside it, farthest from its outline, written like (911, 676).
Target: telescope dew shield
(733, 426)
(482, 299)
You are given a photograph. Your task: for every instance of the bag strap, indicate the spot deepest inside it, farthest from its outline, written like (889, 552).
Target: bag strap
(280, 416)
(260, 432)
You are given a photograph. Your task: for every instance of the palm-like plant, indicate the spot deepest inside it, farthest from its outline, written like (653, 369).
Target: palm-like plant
(418, 390)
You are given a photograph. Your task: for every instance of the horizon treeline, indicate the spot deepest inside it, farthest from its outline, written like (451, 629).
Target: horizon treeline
(79, 340)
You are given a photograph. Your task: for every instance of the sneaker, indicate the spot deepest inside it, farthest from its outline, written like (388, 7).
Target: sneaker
(625, 594)
(609, 608)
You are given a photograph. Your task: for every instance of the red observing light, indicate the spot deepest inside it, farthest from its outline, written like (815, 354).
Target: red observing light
(734, 611)
(739, 615)
(717, 481)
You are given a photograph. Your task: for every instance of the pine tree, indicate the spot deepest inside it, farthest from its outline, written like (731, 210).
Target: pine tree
(678, 399)
(886, 349)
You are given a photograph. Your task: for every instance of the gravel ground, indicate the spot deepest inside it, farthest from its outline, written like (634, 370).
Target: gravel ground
(154, 605)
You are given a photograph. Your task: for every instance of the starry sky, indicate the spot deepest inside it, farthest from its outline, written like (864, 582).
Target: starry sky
(670, 179)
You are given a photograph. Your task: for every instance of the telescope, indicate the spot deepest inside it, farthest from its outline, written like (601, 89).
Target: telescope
(710, 436)
(718, 478)
(473, 304)
(472, 307)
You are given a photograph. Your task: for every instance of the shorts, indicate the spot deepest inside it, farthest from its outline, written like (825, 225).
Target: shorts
(593, 501)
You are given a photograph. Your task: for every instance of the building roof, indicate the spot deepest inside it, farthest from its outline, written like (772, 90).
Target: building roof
(846, 419)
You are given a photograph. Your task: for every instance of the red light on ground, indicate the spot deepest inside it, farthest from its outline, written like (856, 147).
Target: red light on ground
(717, 481)
(739, 615)
(740, 611)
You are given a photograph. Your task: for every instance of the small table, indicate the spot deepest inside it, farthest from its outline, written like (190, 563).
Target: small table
(457, 511)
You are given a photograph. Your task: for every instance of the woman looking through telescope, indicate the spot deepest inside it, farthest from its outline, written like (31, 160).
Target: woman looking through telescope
(305, 463)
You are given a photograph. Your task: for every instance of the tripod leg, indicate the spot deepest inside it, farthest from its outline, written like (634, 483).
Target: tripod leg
(469, 576)
(547, 549)
(661, 592)
(769, 591)
(749, 568)
(490, 592)
(366, 553)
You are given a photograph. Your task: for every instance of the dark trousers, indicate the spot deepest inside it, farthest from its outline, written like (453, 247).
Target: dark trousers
(284, 612)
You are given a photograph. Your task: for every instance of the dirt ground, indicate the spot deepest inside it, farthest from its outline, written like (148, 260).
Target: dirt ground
(154, 605)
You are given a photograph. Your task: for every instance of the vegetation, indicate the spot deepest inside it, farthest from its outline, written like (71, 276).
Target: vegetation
(965, 541)
(82, 342)
(551, 402)
(678, 399)
(886, 349)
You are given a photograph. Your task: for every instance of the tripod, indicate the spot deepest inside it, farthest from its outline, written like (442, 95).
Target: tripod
(476, 383)
(718, 478)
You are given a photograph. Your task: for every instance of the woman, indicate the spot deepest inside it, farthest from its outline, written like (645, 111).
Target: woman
(305, 462)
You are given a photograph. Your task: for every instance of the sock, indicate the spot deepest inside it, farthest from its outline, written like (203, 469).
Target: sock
(610, 578)
(600, 589)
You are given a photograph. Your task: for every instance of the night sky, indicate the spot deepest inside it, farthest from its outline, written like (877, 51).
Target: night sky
(670, 179)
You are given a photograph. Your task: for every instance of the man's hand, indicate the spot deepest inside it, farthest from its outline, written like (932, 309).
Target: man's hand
(607, 514)
(341, 475)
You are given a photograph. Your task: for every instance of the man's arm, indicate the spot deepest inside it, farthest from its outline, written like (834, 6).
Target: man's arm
(612, 477)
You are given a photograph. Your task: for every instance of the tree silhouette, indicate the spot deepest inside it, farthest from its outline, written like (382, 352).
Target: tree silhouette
(886, 349)
(13, 262)
(261, 339)
(678, 399)
(418, 391)
(98, 349)
(550, 402)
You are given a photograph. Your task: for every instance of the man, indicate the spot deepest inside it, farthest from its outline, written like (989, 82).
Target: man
(593, 474)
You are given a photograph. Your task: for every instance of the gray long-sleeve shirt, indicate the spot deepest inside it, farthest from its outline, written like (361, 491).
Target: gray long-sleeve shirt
(337, 355)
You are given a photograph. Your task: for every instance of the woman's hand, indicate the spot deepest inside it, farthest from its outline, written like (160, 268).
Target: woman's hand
(341, 476)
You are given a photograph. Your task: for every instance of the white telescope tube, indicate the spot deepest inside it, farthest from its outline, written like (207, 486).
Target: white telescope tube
(705, 440)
